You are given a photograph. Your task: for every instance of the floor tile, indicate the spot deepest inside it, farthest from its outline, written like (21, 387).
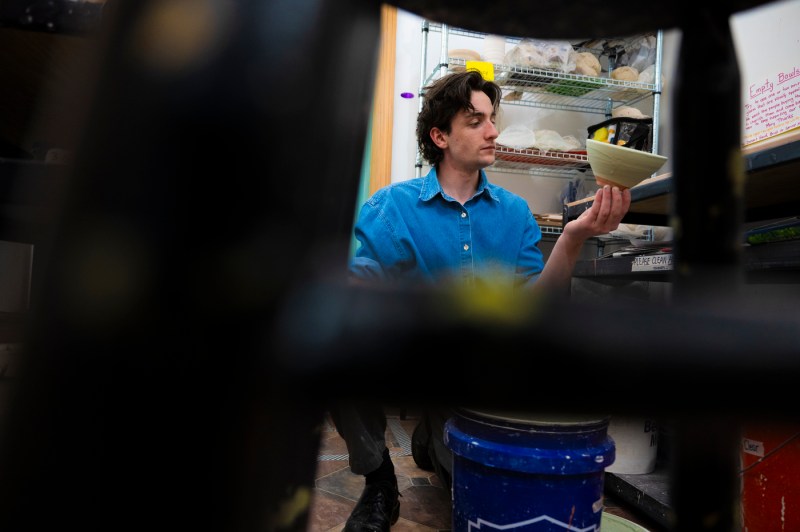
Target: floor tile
(426, 505)
(328, 511)
(342, 483)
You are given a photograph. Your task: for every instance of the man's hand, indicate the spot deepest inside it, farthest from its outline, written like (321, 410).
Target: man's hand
(609, 206)
(605, 214)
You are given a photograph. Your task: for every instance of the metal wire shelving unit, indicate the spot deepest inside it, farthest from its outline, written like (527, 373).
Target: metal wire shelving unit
(547, 89)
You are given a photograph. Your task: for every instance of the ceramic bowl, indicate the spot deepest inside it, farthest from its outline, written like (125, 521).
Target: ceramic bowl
(621, 166)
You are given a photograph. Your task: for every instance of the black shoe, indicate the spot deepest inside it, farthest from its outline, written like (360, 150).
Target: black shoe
(376, 510)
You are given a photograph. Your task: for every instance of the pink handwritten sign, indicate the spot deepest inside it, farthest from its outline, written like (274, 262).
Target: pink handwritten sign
(772, 106)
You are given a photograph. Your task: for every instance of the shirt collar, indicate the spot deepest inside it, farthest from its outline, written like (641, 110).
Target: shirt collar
(431, 186)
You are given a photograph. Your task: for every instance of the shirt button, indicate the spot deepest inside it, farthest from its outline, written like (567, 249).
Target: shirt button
(463, 215)
(466, 247)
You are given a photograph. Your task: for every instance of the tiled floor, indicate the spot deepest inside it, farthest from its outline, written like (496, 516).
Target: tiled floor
(424, 501)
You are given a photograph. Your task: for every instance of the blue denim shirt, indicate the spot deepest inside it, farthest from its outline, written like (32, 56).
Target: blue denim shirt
(412, 231)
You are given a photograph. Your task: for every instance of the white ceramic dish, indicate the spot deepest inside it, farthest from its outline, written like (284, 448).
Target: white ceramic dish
(614, 523)
(621, 166)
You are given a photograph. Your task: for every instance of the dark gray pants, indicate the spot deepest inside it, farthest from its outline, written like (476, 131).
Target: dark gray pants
(441, 456)
(363, 428)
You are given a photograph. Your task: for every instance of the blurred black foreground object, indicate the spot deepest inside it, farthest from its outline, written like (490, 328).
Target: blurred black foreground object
(181, 349)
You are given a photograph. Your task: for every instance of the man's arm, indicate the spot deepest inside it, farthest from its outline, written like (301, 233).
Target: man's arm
(605, 214)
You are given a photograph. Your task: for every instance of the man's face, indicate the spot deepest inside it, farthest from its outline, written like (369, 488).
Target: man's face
(470, 145)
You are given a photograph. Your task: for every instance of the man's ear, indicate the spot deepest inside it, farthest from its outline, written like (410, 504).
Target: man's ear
(438, 137)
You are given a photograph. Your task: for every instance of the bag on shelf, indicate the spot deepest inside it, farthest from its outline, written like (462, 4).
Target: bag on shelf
(636, 133)
(544, 54)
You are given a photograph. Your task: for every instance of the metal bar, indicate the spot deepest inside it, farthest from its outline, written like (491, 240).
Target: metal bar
(423, 70)
(707, 221)
(657, 92)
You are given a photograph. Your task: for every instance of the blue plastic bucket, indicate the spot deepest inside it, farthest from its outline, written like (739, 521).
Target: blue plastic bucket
(519, 473)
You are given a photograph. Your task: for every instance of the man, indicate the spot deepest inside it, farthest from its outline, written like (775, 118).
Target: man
(451, 226)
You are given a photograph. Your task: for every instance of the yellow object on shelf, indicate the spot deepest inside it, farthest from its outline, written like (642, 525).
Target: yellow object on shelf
(485, 68)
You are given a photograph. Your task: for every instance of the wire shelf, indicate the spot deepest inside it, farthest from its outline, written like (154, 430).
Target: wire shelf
(552, 89)
(545, 162)
(535, 170)
(550, 230)
(563, 91)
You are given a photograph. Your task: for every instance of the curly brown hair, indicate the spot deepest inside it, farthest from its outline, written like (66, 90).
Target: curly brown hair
(443, 100)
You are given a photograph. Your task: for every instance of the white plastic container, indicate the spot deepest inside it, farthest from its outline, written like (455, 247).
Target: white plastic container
(494, 49)
(636, 441)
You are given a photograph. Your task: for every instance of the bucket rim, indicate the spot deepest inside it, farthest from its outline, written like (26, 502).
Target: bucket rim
(521, 417)
(544, 456)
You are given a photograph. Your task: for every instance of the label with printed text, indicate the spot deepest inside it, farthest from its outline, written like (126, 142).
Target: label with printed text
(753, 447)
(652, 263)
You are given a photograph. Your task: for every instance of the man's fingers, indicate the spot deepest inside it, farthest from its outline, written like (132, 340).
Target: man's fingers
(604, 208)
(607, 210)
(617, 203)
